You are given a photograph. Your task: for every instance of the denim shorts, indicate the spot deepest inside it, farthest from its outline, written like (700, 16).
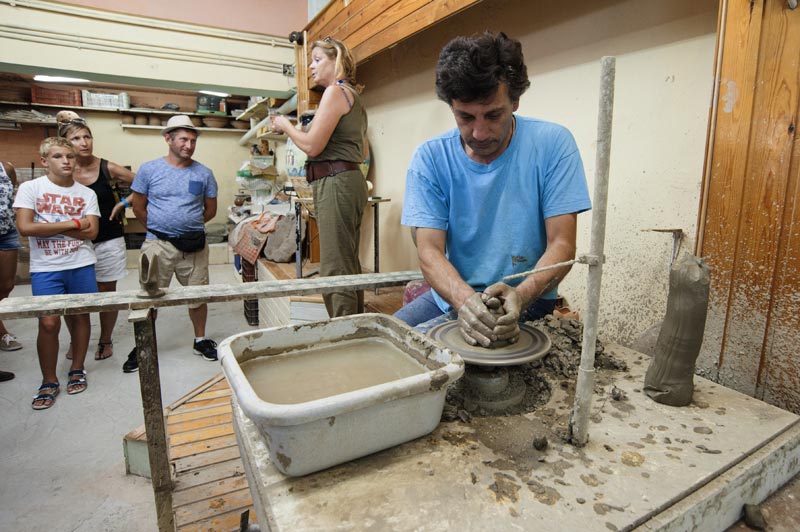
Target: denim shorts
(75, 281)
(9, 241)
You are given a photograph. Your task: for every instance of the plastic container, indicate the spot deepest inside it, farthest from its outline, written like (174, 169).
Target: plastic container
(68, 97)
(310, 436)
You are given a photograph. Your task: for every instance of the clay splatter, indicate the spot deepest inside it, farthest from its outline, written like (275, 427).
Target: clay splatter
(632, 459)
(504, 488)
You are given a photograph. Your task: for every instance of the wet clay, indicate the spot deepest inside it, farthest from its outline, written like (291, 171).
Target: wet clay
(670, 376)
(326, 371)
(559, 366)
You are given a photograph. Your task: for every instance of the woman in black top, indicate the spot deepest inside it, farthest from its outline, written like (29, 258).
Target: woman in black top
(101, 176)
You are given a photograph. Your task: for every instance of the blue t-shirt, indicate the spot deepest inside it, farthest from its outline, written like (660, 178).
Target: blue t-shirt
(494, 213)
(175, 196)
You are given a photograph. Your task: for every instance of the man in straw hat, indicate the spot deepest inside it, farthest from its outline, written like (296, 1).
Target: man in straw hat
(173, 197)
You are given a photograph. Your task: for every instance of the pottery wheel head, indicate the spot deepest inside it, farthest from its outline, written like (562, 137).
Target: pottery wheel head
(532, 344)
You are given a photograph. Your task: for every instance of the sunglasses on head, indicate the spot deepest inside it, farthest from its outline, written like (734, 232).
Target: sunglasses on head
(76, 121)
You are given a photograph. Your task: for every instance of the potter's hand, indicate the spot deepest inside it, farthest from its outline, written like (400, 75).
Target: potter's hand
(507, 325)
(475, 321)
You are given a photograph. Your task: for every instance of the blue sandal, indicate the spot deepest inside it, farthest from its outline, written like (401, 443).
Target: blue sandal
(77, 377)
(47, 393)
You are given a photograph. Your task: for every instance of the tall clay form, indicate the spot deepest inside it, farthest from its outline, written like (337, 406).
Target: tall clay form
(670, 377)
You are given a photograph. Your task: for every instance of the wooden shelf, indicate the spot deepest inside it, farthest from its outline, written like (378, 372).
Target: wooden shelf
(223, 129)
(273, 136)
(259, 110)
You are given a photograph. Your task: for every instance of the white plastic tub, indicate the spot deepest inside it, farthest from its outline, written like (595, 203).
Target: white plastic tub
(306, 437)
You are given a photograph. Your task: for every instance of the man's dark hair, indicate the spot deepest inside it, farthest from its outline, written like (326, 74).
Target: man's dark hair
(471, 68)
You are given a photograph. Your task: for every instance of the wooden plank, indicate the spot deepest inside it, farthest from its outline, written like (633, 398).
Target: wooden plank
(215, 456)
(228, 522)
(781, 374)
(150, 384)
(414, 23)
(207, 403)
(210, 490)
(725, 184)
(214, 472)
(358, 14)
(208, 394)
(765, 184)
(187, 449)
(200, 436)
(35, 306)
(173, 429)
(396, 14)
(209, 384)
(176, 418)
(234, 501)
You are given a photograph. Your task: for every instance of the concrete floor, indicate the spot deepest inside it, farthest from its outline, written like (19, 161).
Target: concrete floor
(63, 468)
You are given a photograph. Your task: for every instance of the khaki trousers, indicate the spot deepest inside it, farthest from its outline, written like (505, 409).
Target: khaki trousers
(339, 203)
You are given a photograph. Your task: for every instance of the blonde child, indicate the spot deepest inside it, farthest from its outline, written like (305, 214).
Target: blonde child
(60, 218)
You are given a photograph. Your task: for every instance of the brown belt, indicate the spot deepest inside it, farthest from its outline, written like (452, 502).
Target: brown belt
(319, 169)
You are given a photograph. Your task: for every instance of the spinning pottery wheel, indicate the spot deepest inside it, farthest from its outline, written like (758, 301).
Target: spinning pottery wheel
(532, 344)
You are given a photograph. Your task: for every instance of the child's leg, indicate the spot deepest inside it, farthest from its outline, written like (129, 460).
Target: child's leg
(81, 329)
(80, 281)
(47, 347)
(47, 284)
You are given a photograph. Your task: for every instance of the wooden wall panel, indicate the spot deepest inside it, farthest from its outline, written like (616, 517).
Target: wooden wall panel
(724, 186)
(779, 383)
(751, 229)
(369, 27)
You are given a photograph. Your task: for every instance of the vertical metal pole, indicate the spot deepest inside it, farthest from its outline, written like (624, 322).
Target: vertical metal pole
(144, 328)
(579, 420)
(298, 258)
(377, 253)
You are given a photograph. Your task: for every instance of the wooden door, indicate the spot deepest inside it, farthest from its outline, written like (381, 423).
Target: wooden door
(749, 226)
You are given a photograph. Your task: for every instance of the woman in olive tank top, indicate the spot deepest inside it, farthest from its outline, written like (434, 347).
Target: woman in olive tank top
(335, 143)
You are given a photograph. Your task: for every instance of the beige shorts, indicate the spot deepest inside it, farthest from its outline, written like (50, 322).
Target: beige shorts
(190, 269)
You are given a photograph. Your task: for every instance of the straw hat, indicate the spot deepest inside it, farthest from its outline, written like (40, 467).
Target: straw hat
(179, 122)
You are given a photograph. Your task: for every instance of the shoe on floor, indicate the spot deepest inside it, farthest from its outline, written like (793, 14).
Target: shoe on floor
(9, 343)
(6, 376)
(206, 348)
(132, 364)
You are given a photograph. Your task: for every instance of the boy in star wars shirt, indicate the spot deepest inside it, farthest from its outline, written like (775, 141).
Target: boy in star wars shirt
(60, 218)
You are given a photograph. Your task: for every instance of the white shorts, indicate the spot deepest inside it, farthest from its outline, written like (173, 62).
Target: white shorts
(112, 260)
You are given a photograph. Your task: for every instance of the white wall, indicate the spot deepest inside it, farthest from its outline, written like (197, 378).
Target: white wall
(218, 150)
(664, 56)
(141, 51)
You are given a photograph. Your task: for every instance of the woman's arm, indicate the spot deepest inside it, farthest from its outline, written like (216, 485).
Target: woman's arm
(11, 172)
(333, 106)
(120, 173)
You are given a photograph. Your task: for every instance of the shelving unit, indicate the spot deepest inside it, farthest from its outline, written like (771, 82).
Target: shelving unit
(223, 129)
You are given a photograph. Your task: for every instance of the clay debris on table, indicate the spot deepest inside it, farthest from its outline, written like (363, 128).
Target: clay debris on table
(558, 368)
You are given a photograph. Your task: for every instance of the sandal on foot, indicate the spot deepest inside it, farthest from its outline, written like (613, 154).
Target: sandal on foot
(104, 350)
(69, 352)
(77, 381)
(47, 394)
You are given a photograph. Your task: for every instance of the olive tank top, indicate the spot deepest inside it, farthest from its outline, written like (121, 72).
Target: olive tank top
(347, 140)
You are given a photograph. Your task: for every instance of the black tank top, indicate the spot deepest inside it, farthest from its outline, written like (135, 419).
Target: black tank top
(106, 201)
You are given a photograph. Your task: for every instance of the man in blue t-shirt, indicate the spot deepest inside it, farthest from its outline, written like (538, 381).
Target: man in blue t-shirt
(174, 196)
(498, 195)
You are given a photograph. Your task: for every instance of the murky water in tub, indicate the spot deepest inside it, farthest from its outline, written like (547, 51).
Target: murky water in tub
(325, 371)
